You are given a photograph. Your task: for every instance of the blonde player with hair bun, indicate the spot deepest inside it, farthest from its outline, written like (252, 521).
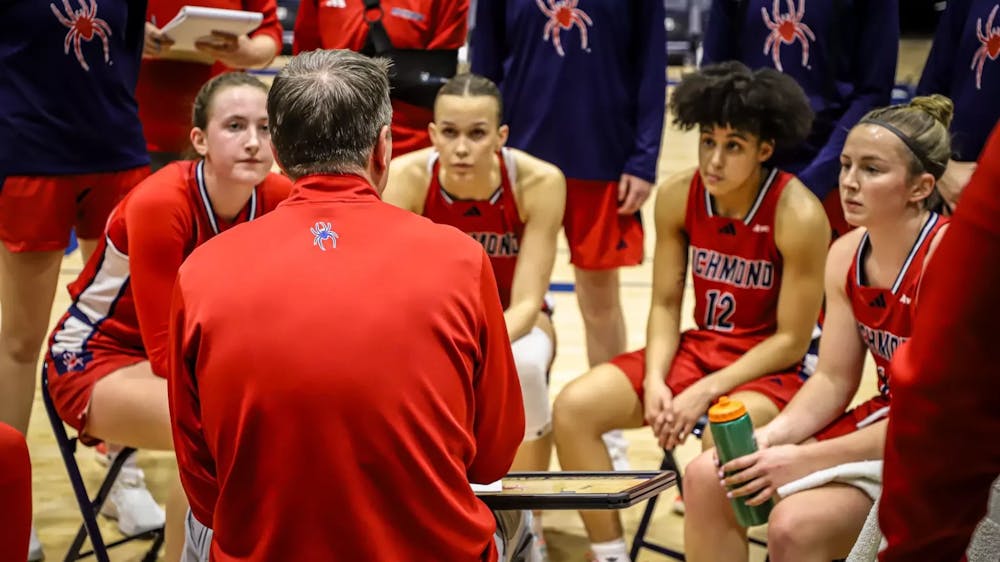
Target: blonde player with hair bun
(890, 166)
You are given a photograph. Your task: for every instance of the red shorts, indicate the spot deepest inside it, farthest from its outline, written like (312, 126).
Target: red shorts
(854, 419)
(38, 212)
(71, 390)
(600, 238)
(702, 353)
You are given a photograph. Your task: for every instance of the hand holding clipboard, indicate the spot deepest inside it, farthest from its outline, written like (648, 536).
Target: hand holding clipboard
(205, 35)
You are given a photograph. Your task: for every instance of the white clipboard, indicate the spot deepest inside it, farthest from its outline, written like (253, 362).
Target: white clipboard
(194, 22)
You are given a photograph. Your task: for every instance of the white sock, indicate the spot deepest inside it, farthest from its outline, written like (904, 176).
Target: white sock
(611, 551)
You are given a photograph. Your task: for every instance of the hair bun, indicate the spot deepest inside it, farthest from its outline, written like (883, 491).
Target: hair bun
(939, 107)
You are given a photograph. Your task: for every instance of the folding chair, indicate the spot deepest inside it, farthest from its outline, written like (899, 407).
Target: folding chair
(639, 541)
(89, 508)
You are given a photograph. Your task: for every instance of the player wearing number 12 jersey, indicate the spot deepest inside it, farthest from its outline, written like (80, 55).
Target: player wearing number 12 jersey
(755, 240)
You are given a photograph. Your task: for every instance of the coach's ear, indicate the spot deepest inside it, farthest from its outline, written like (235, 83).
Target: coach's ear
(198, 141)
(378, 165)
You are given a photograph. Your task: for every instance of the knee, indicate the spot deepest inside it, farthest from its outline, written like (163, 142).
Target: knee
(22, 343)
(597, 292)
(701, 478)
(571, 408)
(787, 533)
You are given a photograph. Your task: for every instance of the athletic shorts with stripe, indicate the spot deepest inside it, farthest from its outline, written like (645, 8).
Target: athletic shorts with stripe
(71, 386)
(599, 237)
(701, 353)
(860, 416)
(37, 213)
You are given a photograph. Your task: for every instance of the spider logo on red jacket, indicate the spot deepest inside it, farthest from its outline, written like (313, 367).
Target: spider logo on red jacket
(786, 28)
(83, 25)
(563, 14)
(989, 36)
(323, 231)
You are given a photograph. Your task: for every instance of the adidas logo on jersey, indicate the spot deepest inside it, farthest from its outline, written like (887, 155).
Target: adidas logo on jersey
(878, 302)
(473, 212)
(335, 3)
(761, 228)
(905, 299)
(621, 244)
(728, 229)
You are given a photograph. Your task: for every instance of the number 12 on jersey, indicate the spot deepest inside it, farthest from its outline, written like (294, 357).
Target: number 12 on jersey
(719, 310)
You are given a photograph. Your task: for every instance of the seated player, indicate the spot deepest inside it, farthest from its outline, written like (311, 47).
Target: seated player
(107, 357)
(512, 203)
(757, 239)
(889, 167)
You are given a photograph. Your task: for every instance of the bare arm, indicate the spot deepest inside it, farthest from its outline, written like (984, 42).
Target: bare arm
(670, 258)
(408, 181)
(663, 332)
(542, 199)
(802, 235)
(841, 359)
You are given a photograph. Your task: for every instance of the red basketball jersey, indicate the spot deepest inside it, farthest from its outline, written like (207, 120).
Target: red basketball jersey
(494, 222)
(113, 291)
(885, 316)
(735, 264)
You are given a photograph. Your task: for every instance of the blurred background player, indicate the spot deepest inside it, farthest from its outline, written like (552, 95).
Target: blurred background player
(964, 65)
(70, 147)
(107, 358)
(889, 167)
(842, 53)
(15, 494)
(584, 86)
(424, 35)
(512, 203)
(945, 389)
(757, 238)
(169, 81)
(403, 432)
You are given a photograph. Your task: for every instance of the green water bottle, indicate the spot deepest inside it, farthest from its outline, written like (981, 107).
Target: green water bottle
(733, 433)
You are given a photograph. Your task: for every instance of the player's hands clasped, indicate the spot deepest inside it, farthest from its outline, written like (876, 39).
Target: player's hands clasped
(658, 408)
(688, 407)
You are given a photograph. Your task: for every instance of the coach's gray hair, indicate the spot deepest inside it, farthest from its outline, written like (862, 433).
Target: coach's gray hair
(326, 109)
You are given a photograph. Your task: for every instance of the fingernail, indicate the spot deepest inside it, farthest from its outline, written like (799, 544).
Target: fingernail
(729, 495)
(721, 474)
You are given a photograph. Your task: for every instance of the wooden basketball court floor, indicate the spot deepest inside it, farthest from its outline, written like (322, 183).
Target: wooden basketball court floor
(55, 512)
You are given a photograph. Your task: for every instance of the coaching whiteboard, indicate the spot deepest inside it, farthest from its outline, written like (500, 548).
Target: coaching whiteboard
(194, 22)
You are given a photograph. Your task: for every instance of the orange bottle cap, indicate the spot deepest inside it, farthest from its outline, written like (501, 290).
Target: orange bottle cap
(726, 410)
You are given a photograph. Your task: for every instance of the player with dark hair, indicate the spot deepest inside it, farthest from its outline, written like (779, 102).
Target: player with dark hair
(757, 238)
(888, 170)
